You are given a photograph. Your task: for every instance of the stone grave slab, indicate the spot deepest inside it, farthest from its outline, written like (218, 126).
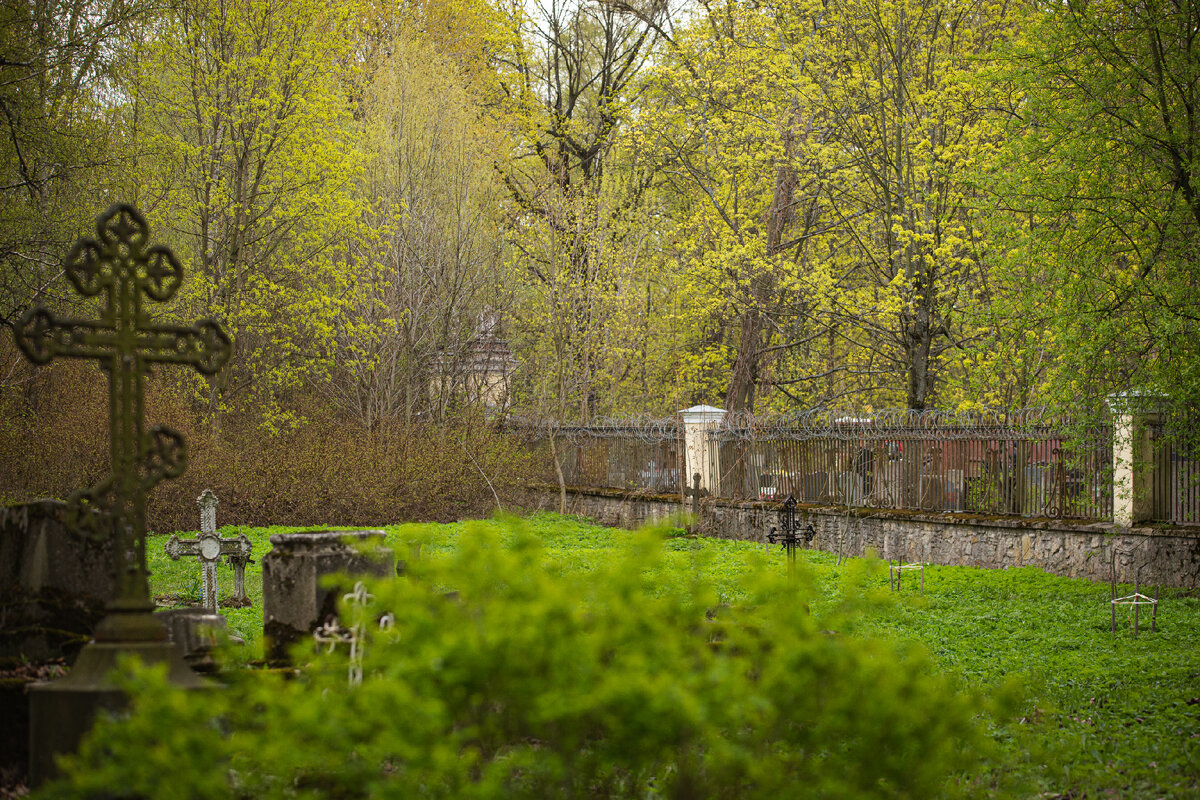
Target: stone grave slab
(295, 602)
(55, 586)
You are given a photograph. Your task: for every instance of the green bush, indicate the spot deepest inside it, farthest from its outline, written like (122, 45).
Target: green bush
(508, 674)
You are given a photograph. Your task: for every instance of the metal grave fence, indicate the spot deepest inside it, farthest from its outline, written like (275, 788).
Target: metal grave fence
(1016, 465)
(631, 455)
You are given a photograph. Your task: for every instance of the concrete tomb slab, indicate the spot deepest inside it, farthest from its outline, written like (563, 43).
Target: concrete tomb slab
(295, 602)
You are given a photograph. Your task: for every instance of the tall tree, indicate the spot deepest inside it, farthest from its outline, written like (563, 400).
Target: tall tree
(58, 138)
(829, 229)
(429, 275)
(738, 144)
(248, 115)
(1103, 170)
(907, 254)
(578, 205)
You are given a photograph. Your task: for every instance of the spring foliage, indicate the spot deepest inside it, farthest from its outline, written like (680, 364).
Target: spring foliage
(930, 203)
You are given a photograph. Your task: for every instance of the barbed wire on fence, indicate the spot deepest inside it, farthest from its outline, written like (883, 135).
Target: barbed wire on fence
(832, 424)
(1030, 461)
(644, 428)
(1037, 422)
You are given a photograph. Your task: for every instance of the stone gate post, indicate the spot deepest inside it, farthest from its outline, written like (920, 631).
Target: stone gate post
(701, 453)
(1134, 414)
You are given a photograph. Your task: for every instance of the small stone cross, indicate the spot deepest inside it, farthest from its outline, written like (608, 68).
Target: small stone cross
(695, 492)
(209, 547)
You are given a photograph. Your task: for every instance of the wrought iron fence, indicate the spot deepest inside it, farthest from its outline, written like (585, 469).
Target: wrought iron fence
(1036, 471)
(1023, 464)
(634, 455)
(1175, 478)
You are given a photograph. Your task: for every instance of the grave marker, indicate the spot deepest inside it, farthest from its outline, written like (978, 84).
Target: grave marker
(695, 492)
(790, 534)
(296, 600)
(126, 343)
(209, 547)
(122, 265)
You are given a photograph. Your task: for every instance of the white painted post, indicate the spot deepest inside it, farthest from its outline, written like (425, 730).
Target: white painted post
(1133, 455)
(700, 450)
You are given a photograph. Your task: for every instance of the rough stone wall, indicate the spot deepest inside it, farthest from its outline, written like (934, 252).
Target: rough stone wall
(1167, 555)
(610, 508)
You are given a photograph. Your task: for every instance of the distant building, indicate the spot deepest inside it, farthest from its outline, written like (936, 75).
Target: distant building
(480, 371)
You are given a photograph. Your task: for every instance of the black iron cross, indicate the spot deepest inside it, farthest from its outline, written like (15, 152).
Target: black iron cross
(126, 342)
(789, 533)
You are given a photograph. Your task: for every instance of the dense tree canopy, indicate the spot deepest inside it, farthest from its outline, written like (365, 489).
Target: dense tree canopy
(770, 205)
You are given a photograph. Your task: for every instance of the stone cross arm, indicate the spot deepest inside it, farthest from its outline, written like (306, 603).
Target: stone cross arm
(208, 547)
(204, 345)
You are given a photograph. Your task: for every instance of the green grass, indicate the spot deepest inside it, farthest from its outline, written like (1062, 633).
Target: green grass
(1101, 714)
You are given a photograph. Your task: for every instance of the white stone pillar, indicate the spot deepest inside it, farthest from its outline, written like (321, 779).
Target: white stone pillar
(1133, 456)
(701, 453)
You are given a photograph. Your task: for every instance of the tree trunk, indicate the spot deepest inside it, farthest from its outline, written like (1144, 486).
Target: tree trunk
(743, 381)
(562, 483)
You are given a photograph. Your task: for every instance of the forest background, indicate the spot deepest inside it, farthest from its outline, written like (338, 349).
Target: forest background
(768, 206)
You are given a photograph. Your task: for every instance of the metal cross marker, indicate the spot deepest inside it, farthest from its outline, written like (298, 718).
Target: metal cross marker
(333, 634)
(209, 547)
(125, 341)
(791, 535)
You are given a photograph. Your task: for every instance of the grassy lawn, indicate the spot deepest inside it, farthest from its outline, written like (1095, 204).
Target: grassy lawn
(1098, 715)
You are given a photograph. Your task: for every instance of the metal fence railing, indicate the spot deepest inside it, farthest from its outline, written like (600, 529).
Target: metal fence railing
(1038, 472)
(639, 455)
(1020, 464)
(1174, 478)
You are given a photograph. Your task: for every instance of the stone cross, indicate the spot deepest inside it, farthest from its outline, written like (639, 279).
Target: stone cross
(126, 341)
(209, 547)
(695, 492)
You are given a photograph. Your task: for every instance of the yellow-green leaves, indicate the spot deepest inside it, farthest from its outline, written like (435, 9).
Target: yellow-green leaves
(821, 153)
(251, 164)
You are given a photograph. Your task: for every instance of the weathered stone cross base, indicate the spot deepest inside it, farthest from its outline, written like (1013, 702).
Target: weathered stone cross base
(62, 711)
(196, 633)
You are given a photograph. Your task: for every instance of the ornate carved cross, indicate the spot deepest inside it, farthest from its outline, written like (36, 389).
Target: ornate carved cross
(209, 547)
(121, 265)
(791, 534)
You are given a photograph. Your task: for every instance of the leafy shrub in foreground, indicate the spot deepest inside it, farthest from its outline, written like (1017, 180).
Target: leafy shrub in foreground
(504, 678)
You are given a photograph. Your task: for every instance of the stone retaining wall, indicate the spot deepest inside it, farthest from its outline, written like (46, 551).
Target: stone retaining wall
(1166, 554)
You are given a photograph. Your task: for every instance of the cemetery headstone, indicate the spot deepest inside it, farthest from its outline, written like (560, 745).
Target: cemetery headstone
(695, 492)
(122, 267)
(295, 598)
(195, 633)
(209, 547)
(54, 592)
(55, 586)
